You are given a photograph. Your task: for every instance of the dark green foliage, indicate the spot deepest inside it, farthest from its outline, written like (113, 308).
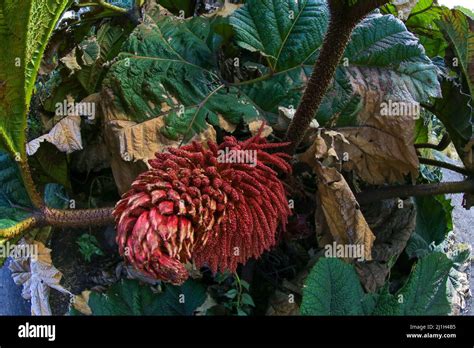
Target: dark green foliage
(129, 297)
(333, 288)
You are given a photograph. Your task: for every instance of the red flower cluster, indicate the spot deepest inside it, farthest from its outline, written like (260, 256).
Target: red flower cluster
(211, 206)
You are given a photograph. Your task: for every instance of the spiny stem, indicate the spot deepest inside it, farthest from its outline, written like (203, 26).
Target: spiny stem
(29, 183)
(61, 219)
(383, 193)
(343, 20)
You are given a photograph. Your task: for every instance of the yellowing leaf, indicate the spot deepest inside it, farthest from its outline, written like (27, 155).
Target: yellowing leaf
(80, 303)
(132, 144)
(70, 61)
(375, 156)
(346, 223)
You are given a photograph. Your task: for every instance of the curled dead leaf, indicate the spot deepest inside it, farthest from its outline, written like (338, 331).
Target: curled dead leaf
(65, 135)
(37, 274)
(374, 155)
(80, 303)
(255, 127)
(345, 221)
(70, 61)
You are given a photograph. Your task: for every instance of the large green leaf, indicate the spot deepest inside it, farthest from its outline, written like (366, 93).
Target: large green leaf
(421, 22)
(173, 63)
(15, 205)
(169, 69)
(458, 29)
(457, 115)
(101, 48)
(333, 288)
(433, 222)
(25, 27)
(289, 34)
(425, 292)
(128, 297)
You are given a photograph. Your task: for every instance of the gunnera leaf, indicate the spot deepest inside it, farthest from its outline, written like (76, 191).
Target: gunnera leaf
(128, 297)
(25, 27)
(171, 71)
(332, 288)
(433, 222)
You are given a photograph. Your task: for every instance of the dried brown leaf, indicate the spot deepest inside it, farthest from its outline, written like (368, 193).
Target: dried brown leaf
(70, 61)
(374, 155)
(255, 127)
(80, 303)
(346, 223)
(38, 275)
(372, 87)
(65, 135)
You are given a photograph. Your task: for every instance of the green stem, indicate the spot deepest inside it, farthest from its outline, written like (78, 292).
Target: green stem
(239, 297)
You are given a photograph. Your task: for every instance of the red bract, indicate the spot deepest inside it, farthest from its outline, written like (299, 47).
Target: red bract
(216, 206)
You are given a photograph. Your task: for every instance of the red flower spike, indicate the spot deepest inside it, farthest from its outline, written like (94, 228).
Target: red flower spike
(203, 205)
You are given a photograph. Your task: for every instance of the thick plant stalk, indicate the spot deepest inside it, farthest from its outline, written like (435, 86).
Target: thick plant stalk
(390, 192)
(61, 219)
(29, 183)
(77, 218)
(344, 19)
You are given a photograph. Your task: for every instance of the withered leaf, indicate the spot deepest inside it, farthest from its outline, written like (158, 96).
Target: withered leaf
(80, 303)
(65, 135)
(392, 224)
(345, 221)
(38, 275)
(374, 155)
(132, 144)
